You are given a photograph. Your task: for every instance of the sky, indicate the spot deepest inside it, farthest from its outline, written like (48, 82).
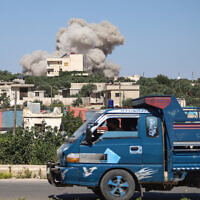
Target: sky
(161, 36)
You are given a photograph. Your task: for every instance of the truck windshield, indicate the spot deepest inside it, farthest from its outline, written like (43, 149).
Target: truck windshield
(83, 127)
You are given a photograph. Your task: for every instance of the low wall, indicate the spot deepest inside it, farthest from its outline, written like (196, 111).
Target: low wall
(25, 171)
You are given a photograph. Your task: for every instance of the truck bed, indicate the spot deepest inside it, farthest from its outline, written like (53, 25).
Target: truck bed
(186, 146)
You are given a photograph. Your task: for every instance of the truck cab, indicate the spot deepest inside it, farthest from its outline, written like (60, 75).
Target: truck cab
(152, 146)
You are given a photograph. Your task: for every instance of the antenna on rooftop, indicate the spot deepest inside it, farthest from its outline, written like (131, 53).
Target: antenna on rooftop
(192, 76)
(179, 76)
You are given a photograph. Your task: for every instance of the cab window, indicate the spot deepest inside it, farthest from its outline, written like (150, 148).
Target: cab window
(117, 128)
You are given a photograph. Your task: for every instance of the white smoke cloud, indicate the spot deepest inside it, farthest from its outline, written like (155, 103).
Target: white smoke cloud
(35, 64)
(94, 41)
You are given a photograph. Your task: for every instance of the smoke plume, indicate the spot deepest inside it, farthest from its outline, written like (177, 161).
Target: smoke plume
(94, 41)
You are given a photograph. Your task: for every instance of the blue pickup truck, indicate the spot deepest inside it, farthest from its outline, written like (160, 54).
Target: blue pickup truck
(155, 147)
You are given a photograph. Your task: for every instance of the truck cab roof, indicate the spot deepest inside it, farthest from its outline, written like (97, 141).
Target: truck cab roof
(126, 111)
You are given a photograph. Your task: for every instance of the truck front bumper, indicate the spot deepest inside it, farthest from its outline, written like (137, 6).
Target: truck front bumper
(53, 173)
(53, 170)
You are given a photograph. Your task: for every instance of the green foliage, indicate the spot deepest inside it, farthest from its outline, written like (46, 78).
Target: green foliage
(24, 174)
(71, 123)
(87, 90)
(161, 79)
(58, 104)
(181, 88)
(50, 84)
(36, 146)
(29, 147)
(77, 102)
(4, 101)
(7, 76)
(127, 103)
(91, 78)
(5, 175)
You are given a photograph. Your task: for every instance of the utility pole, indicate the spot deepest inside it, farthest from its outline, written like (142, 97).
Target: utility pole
(192, 76)
(51, 94)
(15, 118)
(120, 99)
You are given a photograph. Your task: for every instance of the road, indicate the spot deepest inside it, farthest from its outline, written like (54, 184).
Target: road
(29, 189)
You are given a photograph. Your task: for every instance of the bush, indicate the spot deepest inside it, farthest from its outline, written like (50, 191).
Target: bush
(36, 146)
(127, 103)
(5, 175)
(71, 123)
(29, 147)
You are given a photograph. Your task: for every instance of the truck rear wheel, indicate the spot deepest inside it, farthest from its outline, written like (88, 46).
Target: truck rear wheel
(117, 184)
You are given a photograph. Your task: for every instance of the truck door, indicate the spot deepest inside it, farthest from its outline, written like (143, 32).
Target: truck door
(118, 148)
(124, 143)
(153, 152)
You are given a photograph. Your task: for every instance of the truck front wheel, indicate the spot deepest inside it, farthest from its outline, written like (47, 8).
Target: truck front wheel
(117, 184)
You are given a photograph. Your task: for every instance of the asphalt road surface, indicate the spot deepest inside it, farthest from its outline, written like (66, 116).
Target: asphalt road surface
(33, 189)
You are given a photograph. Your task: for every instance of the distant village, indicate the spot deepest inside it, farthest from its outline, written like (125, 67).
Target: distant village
(20, 93)
(103, 94)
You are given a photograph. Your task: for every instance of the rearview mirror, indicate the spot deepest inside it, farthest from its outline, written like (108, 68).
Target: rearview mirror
(88, 137)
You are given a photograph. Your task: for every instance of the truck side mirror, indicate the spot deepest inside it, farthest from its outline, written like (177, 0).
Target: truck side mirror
(88, 137)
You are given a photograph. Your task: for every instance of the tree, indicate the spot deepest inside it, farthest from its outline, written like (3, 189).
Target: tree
(182, 87)
(71, 123)
(38, 145)
(77, 102)
(127, 103)
(87, 90)
(162, 79)
(58, 104)
(4, 101)
(7, 76)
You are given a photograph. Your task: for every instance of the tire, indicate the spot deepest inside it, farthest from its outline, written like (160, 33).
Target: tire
(117, 184)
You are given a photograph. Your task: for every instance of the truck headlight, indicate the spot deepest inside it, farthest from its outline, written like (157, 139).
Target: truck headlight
(73, 158)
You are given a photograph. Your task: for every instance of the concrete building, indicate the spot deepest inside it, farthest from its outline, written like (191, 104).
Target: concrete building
(117, 91)
(33, 118)
(120, 91)
(134, 78)
(72, 62)
(76, 87)
(16, 87)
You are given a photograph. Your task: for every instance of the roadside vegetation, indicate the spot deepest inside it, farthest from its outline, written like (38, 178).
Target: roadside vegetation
(181, 88)
(4, 175)
(35, 146)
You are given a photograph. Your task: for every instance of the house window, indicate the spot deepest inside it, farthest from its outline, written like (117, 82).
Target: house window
(23, 93)
(37, 94)
(117, 94)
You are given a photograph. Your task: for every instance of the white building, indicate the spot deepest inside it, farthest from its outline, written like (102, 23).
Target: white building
(134, 78)
(16, 87)
(33, 118)
(73, 62)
